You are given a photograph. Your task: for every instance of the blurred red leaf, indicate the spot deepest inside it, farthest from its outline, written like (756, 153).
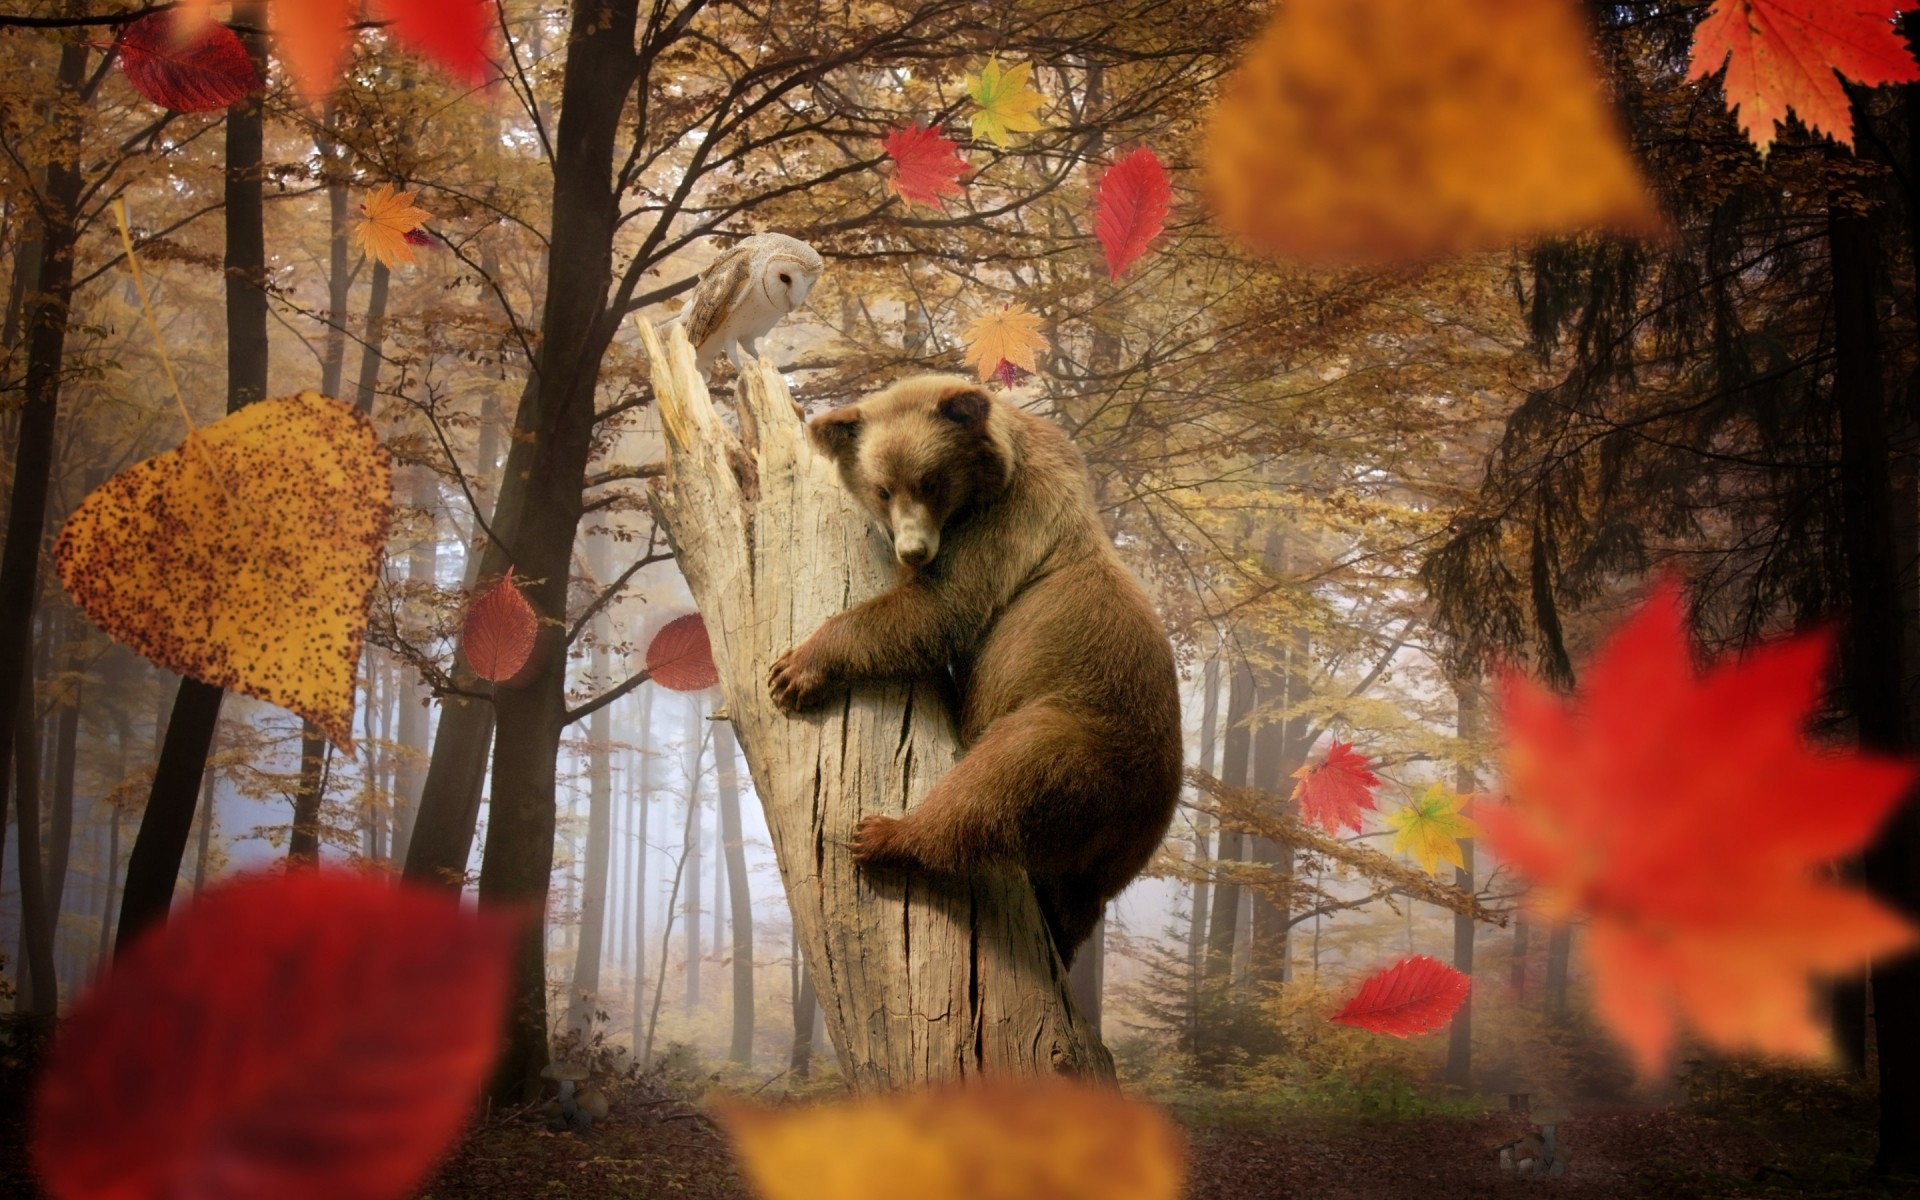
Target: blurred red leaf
(1414, 996)
(499, 632)
(207, 70)
(454, 35)
(312, 37)
(925, 165)
(1688, 817)
(680, 658)
(1132, 208)
(1336, 789)
(419, 237)
(299, 1036)
(1783, 54)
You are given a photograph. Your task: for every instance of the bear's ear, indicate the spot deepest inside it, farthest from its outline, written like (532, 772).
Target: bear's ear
(835, 433)
(967, 409)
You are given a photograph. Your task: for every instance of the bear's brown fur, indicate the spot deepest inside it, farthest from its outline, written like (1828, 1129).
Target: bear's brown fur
(1069, 708)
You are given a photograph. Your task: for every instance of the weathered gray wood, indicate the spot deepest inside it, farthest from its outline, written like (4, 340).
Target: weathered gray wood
(919, 980)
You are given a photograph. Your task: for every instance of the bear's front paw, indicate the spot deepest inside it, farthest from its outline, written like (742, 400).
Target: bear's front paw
(795, 683)
(877, 842)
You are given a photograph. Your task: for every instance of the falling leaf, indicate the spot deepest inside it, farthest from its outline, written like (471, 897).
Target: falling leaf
(680, 658)
(1688, 817)
(303, 1035)
(498, 635)
(1402, 130)
(312, 37)
(1431, 828)
(1417, 995)
(1133, 198)
(1035, 1139)
(1006, 103)
(1008, 374)
(201, 71)
(257, 578)
(387, 217)
(1010, 335)
(419, 237)
(925, 165)
(1334, 791)
(1782, 54)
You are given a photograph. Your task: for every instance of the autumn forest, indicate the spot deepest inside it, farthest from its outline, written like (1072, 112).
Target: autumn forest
(1316, 598)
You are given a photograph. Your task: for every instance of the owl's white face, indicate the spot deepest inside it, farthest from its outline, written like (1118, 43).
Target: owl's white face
(787, 282)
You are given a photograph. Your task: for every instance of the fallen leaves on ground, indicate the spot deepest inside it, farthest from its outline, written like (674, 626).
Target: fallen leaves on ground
(312, 37)
(1333, 791)
(1431, 827)
(1008, 335)
(499, 631)
(1416, 995)
(925, 165)
(1006, 104)
(187, 71)
(1781, 55)
(1132, 205)
(1402, 130)
(387, 219)
(257, 578)
(680, 656)
(302, 1035)
(1687, 816)
(1035, 1139)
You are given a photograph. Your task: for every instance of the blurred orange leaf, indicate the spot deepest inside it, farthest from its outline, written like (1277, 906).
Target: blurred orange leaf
(498, 635)
(386, 219)
(1687, 815)
(925, 165)
(257, 579)
(1782, 54)
(312, 36)
(1335, 789)
(1010, 335)
(1041, 1139)
(1402, 130)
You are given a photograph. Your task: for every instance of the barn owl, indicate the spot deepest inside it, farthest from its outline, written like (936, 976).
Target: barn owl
(746, 292)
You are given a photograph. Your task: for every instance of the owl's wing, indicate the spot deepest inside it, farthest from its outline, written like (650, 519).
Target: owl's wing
(719, 291)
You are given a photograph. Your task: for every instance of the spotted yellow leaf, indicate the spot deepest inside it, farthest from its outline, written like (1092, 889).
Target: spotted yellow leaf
(1009, 335)
(245, 558)
(387, 217)
(1007, 104)
(1431, 828)
(1007, 1140)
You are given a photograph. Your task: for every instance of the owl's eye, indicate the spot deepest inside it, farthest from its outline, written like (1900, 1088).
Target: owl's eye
(786, 278)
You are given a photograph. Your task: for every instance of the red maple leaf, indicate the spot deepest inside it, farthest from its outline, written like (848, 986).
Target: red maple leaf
(207, 70)
(1783, 54)
(1133, 198)
(680, 658)
(499, 632)
(1417, 995)
(303, 1035)
(1688, 816)
(925, 165)
(1335, 791)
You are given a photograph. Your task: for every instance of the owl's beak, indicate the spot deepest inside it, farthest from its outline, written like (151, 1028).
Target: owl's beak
(801, 290)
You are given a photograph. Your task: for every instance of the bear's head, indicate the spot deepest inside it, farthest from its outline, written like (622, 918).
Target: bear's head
(921, 455)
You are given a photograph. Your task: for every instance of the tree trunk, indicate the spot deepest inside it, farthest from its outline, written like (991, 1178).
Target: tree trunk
(1087, 978)
(641, 821)
(930, 978)
(1202, 852)
(1459, 1070)
(113, 881)
(373, 346)
(690, 869)
(805, 1005)
(583, 999)
(161, 845)
(739, 895)
(207, 818)
(1559, 956)
(303, 842)
(66, 738)
(1233, 772)
(40, 986)
(423, 570)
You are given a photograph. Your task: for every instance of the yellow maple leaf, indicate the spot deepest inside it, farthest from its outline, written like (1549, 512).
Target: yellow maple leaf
(256, 579)
(387, 217)
(1403, 130)
(1006, 103)
(1431, 828)
(1010, 335)
(1004, 1140)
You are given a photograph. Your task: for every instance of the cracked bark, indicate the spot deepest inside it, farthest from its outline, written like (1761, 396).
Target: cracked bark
(920, 979)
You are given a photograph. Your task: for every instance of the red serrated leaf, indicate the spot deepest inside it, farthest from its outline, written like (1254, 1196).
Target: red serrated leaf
(1334, 791)
(680, 658)
(499, 632)
(302, 1036)
(1133, 198)
(1414, 996)
(207, 71)
(419, 237)
(452, 34)
(1783, 54)
(1008, 374)
(925, 165)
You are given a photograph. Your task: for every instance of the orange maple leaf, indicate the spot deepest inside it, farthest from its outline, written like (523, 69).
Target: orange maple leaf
(1686, 815)
(387, 217)
(1010, 335)
(1782, 54)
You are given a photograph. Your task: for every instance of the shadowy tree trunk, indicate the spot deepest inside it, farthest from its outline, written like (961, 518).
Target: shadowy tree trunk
(584, 996)
(690, 871)
(740, 896)
(806, 1005)
(1224, 924)
(39, 983)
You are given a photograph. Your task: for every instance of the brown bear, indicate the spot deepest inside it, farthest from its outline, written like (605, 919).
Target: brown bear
(1069, 711)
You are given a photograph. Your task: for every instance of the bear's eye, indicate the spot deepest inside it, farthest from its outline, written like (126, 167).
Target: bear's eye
(885, 495)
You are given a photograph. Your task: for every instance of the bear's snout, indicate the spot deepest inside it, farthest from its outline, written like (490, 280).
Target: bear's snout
(916, 538)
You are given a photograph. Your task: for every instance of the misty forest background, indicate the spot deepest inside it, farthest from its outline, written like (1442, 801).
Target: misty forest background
(1350, 493)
